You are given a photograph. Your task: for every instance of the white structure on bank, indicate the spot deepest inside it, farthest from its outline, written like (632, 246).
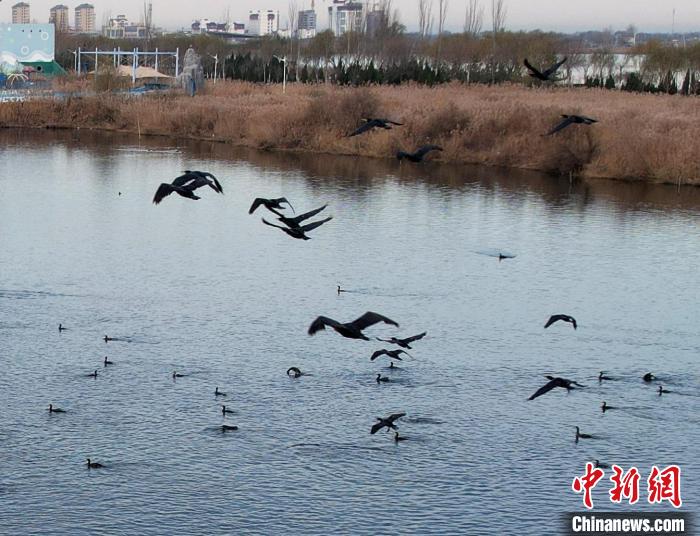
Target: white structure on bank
(263, 22)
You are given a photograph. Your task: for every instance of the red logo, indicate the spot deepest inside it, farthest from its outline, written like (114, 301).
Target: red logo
(626, 485)
(665, 485)
(586, 483)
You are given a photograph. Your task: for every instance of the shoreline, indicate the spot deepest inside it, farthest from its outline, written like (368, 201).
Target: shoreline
(639, 137)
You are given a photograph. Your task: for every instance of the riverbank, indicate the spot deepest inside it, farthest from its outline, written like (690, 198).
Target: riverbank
(653, 138)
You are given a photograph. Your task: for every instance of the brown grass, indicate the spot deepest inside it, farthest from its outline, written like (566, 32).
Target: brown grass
(639, 137)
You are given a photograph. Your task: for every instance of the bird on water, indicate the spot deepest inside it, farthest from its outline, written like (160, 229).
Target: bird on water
(218, 393)
(93, 465)
(294, 372)
(107, 362)
(579, 435)
(61, 328)
(186, 184)
(564, 318)
(350, 330)
(602, 377)
(55, 410)
(398, 438)
(404, 343)
(176, 374)
(93, 375)
(649, 377)
(340, 290)
(604, 406)
(382, 379)
(387, 423)
(662, 390)
(225, 411)
(419, 155)
(228, 428)
(107, 339)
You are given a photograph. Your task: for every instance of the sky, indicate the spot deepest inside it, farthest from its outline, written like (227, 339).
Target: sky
(557, 15)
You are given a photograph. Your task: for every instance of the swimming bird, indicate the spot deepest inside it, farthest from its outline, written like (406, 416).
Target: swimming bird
(649, 377)
(218, 393)
(299, 232)
(370, 124)
(55, 410)
(398, 438)
(107, 339)
(186, 184)
(662, 390)
(381, 378)
(391, 364)
(602, 376)
(393, 354)
(419, 155)
(563, 318)
(579, 435)
(295, 372)
(553, 383)
(387, 422)
(225, 411)
(177, 375)
(94, 465)
(604, 406)
(269, 204)
(340, 289)
(350, 330)
(61, 328)
(93, 375)
(544, 76)
(502, 256)
(404, 343)
(598, 465)
(571, 120)
(108, 362)
(228, 428)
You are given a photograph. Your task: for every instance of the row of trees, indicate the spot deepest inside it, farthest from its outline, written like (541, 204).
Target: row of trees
(385, 53)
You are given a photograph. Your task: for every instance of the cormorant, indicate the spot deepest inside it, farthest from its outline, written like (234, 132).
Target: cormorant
(299, 232)
(350, 330)
(228, 428)
(374, 123)
(381, 379)
(604, 406)
(225, 411)
(563, 318)
(93, 375)
(662, 390)
(579, 435)
(398, 438)
(55, 410)
(61, 328)
(295, 372)
(108, 362)
(419, 155)
(571, 120)
(177, 375)
(602, 376)
(544, 76)
(649, 377)
(269, 204)
(404, 343)
(554, 382)
(186, 184)
(107, 339)
(218, 393)
(598, 465)
(393, 354)
(388, 422)
(94, 465)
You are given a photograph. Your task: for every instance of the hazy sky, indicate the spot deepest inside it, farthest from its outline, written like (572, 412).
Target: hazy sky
(566, 15)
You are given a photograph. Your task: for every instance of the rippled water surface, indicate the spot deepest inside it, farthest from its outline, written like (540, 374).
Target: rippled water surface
(207, 290)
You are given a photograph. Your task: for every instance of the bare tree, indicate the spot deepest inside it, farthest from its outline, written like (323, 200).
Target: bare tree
(293, 16)
(498, 23)
(425, 17)
(474, 18)
(442, 16)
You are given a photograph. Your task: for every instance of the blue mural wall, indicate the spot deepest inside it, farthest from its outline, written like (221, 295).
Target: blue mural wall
(27, 42)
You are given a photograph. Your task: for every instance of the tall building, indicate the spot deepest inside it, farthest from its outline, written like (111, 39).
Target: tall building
(85, 18)
(59, 18)
(307, 24)
(122, 28)
(345, 16)
(20, 13)
(264, 22)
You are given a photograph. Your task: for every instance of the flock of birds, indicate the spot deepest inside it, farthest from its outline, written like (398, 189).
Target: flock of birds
(569, 385)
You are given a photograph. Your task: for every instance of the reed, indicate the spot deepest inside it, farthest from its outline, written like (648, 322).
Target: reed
(654, 138)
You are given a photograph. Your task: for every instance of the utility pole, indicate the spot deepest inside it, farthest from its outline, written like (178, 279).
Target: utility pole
(284, 75)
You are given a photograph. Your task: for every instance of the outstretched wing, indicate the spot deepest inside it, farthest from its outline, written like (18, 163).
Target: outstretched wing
(556, 382)
(394, 416)
(393, 122)
(281, 200)
(414, 338)
(553, 69)
(163, 191)
(588, 120)
(369, 319)
(426, 149)
(258, 201)
(320, 323)
(533, 71)
(369, 125)
(271, 224)
(294, 222)
(184, 179)
(376, 427)
(553, 319)
(561, 126)
(377, 354)
(217, 185)
(314, 225)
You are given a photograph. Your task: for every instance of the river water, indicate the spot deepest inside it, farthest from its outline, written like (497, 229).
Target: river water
(207, 290)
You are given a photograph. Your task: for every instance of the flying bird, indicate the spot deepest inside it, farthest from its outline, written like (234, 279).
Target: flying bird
(299, 232)
(563, 318)
(388, 422)
(404, 343)
(392, 354)
(419, 155)
(350, 330)
(374, 123)
(269, 204)
(553, 383)
(295, 222)
(186, 184)
(545, 75)
(571, 120)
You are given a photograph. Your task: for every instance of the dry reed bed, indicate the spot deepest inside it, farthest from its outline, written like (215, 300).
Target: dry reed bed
(640, 136)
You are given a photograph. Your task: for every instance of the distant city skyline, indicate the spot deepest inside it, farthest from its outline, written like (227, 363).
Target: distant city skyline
(548, 15)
